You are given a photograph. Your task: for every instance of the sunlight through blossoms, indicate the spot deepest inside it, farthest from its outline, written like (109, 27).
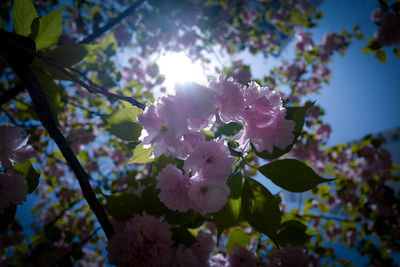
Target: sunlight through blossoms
(178, 68)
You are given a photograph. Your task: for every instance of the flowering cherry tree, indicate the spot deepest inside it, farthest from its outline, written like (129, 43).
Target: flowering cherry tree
(121, 170)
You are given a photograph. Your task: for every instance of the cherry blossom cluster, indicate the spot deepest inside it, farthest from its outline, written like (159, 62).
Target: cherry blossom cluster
(173, 126)
(147, 241)
(389, 26)
(13, 148)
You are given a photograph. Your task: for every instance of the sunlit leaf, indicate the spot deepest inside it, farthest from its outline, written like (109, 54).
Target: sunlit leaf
(237, 238)
(122, 123)
(24, 12)
(31, 176)
(292, 175)
(70, 54)
(229, 129)
(50, 28)
(141, 155)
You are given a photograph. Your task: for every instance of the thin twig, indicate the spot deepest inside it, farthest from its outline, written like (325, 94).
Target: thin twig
(91, 89)
(111, 23)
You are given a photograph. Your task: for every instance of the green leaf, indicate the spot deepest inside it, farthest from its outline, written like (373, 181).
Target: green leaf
(160, 163)
(190, 219)
(7, 217)
(381, 55)
(367, 50)
(2, 26)
(50, 89)
(152, 203)
(396, 51)
(374, 44)
(70, 54)
(122, 206)
(229, 129)
(122, 123)
(181, 235)
(209, 134)
(228, 216)
(292, 232)
(34, 28)
(260, 208)
(292, 175)
(235, 184)
(24, 12)
(141, 155)
(296, 114)
(50, 28)
(237, 237)
(31, 176)
(109, 42)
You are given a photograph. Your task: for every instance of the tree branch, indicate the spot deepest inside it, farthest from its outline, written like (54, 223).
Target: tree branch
(111, 23)
(13, 92)
(42, 109)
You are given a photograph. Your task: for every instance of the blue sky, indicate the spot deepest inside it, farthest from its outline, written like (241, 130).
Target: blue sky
(363, 95)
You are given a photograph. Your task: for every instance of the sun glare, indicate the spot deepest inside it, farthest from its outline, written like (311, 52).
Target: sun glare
(178, 68)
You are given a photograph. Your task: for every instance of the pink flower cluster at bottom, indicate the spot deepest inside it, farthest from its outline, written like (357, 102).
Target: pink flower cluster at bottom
(206, 190)
(146, 241)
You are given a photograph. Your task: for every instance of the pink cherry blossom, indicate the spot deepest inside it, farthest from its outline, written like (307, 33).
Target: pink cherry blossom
(163, 127)
(218, 260)
(292, 256)
(211, 159)
(207, 195)
(196, 103)
(389, 32)
(242, 257)
(13, 147)
(174, 188)
(294, 70)
(12, 189)
(329, 43)
(264, 119)
(184, 257)
(304, 42)
(203, 247)
(229, 99)
(145, 241)
(377, 15)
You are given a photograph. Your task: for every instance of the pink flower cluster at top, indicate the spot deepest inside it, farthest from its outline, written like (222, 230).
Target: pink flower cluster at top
(172, 126)
(147, 241)
(13, 148)
(389, 26)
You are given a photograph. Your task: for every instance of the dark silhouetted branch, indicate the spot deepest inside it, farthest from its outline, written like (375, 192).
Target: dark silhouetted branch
(42, 109)
(111, 23)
